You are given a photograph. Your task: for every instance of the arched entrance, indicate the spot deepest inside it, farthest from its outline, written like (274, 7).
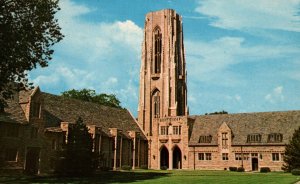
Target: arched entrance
(177, 158)
(164, 157)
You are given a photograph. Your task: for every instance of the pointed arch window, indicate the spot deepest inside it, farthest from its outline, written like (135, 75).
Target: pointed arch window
(156, 104)
(157, 51)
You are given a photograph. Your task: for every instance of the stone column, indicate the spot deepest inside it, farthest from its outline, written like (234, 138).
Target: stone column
(115, 153)
(121, 147)
(170, 159)
(139, 152)
(133, 153)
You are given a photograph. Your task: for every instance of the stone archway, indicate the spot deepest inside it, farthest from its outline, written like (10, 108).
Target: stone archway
(164, 157)
(177, 161)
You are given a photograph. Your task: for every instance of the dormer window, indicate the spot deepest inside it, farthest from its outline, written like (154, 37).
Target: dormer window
(205, 139)
(275, 137)
(254, 138)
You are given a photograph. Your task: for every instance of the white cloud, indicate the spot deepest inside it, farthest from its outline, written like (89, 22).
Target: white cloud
(207, 61)
(264, 14)
(93, 54)
(276, 95)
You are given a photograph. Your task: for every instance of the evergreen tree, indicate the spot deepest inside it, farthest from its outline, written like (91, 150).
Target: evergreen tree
(79, 156)
(292, 153)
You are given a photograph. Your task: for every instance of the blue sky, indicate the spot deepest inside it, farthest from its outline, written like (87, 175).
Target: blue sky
(242, 56)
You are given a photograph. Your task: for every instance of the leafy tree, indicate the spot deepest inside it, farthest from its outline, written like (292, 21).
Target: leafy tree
(79, 157)
(221, 112)
(292, 153)
(91, 96)
(28, 31)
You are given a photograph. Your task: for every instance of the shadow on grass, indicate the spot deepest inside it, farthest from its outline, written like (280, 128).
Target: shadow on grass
(101, 177)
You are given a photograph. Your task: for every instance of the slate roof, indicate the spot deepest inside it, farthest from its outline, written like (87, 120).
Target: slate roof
(13, 113)
(241, 125)
(61, 109)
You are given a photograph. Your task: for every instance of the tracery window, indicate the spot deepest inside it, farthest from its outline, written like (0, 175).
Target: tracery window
(157, 51)
(156, 104)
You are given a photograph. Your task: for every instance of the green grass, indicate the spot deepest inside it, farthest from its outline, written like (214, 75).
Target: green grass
(164, 177)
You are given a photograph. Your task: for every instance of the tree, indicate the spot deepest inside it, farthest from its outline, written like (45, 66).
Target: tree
(91, 96)
(292, 153)
(79, 157)
(28, 31)
(221, 112)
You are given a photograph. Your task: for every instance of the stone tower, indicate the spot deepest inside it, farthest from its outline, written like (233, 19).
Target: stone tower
(162, 74)
(162, 109)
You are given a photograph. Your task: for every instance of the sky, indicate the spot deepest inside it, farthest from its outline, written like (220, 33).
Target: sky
(241, 55)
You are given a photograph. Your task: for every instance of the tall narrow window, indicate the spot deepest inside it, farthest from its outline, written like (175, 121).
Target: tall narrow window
(156, 104)
(224, 139)
(157, 51)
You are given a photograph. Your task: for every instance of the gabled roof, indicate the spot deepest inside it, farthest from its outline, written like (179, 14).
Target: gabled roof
(243, 124)
(62, 109)
(13, 113)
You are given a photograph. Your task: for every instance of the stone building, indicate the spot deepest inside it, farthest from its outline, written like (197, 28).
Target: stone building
(177, 140)
(34, 127)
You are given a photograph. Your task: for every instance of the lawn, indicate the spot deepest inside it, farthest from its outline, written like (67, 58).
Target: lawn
(165, 177)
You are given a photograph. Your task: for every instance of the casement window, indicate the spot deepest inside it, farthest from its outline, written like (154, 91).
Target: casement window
(204, 156)
(208, 156)
(11, 154)
(275, 156)
(205, 139)
(200, 156)
(224, 156)
(164, 130)
(176, 130)
(225, 139)
(241, 156)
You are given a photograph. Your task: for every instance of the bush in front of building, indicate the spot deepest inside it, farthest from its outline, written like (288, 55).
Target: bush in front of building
(296, 172)
(144, 167)
(232, 168)
(240, 169)
(265, 169)
(163, 167)
(126, 167)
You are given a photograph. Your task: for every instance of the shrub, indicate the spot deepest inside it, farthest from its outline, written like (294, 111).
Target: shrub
(144, 166)
(265, 169)
(232, 168)
(240, 169)
(126, 167)
(163, 167)
(296, 172)
(105, 168)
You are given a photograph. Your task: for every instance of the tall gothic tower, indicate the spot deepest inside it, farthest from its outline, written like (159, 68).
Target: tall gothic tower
(163, 75)
(162, 105)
